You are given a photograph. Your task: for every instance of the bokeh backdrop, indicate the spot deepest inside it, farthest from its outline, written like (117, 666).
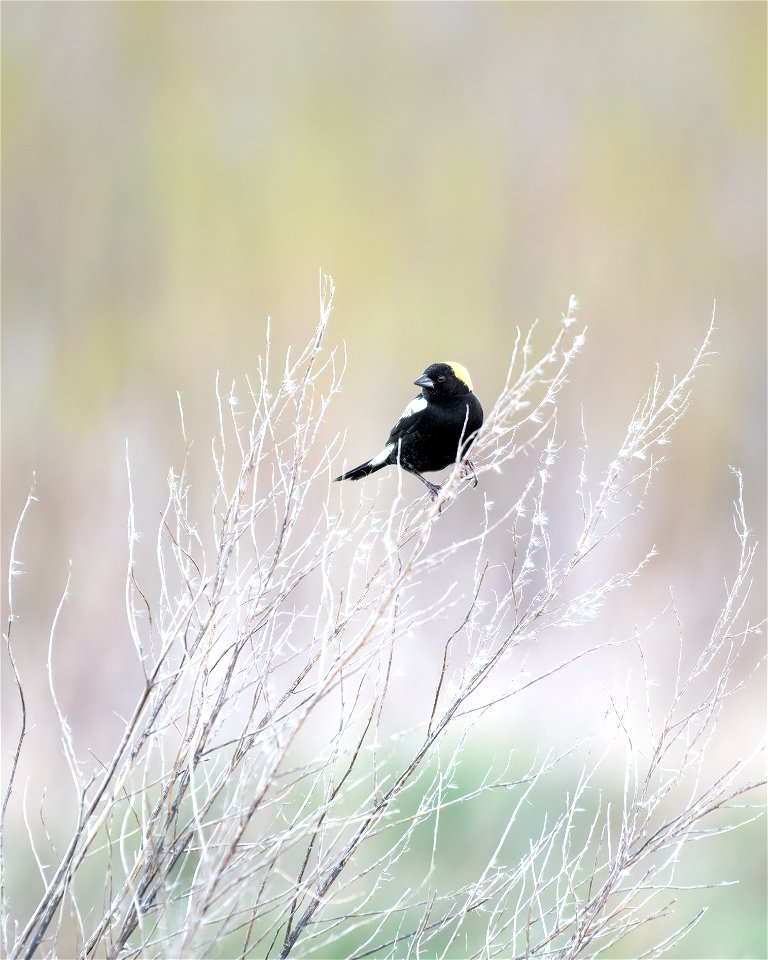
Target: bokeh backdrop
(173, 174)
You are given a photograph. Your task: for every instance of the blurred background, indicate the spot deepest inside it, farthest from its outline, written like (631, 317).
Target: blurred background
(174, 174)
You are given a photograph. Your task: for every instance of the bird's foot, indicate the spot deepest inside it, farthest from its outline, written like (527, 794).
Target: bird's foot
(432, 488)
(468, 470)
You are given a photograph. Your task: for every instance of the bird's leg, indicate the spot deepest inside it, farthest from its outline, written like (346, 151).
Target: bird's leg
(468, 470)
(434, 489)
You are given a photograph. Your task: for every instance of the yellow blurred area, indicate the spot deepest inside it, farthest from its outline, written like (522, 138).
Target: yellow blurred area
(174, 174)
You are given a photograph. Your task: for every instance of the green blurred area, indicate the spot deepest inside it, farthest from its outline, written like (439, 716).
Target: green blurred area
(175, 173)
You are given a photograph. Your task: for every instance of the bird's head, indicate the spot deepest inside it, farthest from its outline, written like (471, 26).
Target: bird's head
(444, 380)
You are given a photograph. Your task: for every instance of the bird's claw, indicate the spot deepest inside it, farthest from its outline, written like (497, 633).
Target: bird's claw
(468, 470)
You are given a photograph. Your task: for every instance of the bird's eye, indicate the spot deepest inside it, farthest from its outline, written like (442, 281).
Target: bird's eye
(441, 379)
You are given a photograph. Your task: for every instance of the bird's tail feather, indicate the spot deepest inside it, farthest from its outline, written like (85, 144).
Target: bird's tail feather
(362, 471)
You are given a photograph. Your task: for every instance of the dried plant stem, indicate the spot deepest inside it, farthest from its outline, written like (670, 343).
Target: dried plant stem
(215, 823)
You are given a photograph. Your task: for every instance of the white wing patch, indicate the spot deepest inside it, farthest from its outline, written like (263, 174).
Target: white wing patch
(415, 406)
(381, 457)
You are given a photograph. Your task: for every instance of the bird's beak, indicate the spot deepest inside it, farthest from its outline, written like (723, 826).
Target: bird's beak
(424, 381)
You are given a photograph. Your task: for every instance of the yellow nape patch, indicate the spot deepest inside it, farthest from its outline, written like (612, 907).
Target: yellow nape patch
(461, 372)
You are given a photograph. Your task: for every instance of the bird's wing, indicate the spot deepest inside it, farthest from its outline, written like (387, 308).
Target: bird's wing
(408, 419)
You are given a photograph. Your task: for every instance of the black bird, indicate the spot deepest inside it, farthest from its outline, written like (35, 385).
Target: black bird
(435, 429)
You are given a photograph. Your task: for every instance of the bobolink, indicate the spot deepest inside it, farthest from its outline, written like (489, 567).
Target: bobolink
(444, 417)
